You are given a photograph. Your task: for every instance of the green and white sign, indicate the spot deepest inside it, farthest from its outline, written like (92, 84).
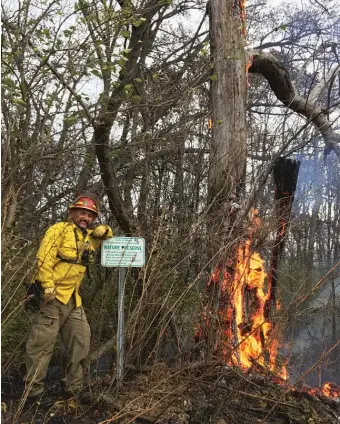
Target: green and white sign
(123, 252)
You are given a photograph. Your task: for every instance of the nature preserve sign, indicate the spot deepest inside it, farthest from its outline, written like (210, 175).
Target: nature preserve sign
(123, 252)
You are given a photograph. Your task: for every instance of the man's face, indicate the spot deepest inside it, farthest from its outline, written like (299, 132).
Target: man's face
(83, 218)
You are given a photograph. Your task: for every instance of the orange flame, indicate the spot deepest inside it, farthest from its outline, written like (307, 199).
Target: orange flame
(249, 340)
(243, 16)
(329, 390)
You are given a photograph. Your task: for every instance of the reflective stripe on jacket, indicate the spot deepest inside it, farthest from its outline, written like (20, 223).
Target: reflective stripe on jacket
(64, 240)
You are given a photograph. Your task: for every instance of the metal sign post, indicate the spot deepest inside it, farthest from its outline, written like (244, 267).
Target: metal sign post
(122, 252)
(120, 329)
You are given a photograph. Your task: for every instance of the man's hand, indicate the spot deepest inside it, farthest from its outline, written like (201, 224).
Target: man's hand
(100, 232)
(49, 294)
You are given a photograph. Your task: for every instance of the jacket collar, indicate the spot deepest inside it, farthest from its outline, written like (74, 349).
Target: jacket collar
(85, 232)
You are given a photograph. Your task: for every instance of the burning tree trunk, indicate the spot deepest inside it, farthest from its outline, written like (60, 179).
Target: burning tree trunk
(285, 173)
(228, 144)
(242, 325)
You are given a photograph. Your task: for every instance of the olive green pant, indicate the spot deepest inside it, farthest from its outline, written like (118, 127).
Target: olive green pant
(54, 318)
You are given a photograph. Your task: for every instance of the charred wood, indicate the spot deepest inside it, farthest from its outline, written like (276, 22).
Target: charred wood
(285, 172)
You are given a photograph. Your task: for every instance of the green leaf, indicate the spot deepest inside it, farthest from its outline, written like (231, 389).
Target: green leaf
(19, 101)
(137, 23)
(9, 82)
(69, 120)
(125, 34)
(283, 27)
(139, 80)
(48, 102)
(127, 51)
(213, 77)
(155, 77)
(96, 73)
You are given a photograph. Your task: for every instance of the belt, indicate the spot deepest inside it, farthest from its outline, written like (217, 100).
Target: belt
(69, 261)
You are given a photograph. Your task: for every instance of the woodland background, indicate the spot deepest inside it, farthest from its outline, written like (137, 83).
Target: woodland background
(140, 73)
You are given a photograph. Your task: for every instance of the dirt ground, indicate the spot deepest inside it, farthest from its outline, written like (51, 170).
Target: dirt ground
(200, 393)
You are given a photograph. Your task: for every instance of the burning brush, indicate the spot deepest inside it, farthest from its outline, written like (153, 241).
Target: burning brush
(243, 317)
(247, 336)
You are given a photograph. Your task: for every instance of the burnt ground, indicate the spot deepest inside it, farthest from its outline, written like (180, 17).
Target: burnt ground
(196, 394)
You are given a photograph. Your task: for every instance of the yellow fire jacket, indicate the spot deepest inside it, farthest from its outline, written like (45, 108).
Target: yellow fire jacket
(61, 257)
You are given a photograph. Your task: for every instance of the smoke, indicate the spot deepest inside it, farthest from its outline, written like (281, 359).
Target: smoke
(317, 327)
(319, 174)
(317, 332)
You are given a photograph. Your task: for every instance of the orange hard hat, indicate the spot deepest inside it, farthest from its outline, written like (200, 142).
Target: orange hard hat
(85, 203)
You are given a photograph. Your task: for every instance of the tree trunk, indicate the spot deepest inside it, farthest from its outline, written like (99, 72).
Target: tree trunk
(227, 155)
(228, 98)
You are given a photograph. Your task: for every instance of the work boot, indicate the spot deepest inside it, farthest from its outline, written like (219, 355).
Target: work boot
(41, 401)
(82, 396)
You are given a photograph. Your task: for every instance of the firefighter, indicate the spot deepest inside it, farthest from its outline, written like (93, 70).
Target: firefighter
(65, 251)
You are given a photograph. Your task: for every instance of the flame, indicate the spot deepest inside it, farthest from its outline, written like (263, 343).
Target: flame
(256, 344)
(248, 339)
(249, 63)
(243, 16)
(329, 390)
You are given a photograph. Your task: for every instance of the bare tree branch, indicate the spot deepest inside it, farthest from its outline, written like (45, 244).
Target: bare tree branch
(280, 82)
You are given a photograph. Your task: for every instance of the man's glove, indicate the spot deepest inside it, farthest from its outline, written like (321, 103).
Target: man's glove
(49, 294)
(100, 232)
